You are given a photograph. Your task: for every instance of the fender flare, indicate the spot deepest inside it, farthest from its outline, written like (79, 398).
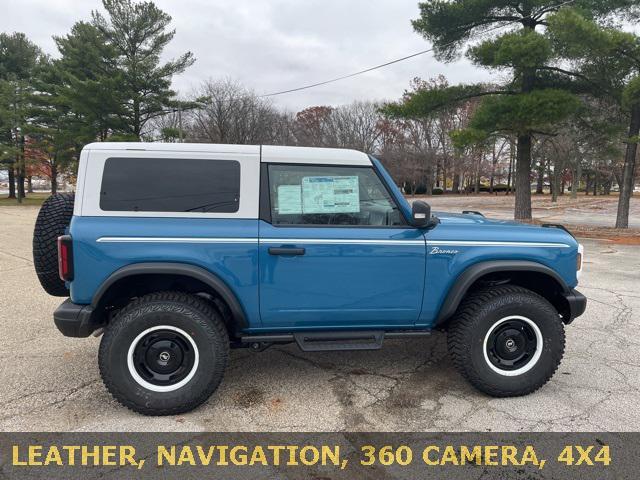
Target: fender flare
(464, 281)
(184, 269)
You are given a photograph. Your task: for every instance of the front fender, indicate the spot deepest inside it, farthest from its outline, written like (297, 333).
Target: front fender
(469, 276)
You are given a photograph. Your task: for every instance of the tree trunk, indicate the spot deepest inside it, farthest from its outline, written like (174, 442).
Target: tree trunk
(606, 185)
(523, 156)
(12, 182)
(19, 180)
(30, 184)
(540, 184)
(429, 184)
(628, 175)
(555, 185)
(587, 183)
(54, 179)
(511, 157)
(444, 178)
(137, 128)
(551, 176)
(596, 178)
(523, 180)
(455, 188)
(21, 189)
(494, 160)
(21, 170)
(617, 173)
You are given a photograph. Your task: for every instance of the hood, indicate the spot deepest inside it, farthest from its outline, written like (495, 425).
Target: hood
(454, 226)
(471, 219)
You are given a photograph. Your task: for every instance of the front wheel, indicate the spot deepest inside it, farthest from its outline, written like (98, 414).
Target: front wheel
(506, 341)
(164, 353)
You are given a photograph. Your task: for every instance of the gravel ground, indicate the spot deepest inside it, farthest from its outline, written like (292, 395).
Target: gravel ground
(51, 383)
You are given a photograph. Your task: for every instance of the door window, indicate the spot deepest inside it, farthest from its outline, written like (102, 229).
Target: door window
(330, 195)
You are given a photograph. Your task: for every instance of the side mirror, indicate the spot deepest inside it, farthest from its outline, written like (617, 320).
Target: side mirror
(421, 214)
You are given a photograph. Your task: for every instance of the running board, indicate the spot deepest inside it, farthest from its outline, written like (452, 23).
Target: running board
(325, 341)
(331, 340)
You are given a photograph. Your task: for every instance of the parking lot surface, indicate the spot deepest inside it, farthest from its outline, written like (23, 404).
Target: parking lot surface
(49, 382)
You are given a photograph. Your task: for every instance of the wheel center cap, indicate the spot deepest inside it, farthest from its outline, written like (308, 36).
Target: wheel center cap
(510, 344)
(164, 356)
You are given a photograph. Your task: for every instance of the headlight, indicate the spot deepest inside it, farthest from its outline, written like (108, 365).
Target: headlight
(579, 260)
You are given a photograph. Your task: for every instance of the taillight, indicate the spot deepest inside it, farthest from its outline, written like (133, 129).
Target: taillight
(65, 258)
(579, 260)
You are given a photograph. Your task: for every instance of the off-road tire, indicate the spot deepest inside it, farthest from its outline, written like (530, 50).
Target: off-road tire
(478, 314)
(189, 313)
(54, 217)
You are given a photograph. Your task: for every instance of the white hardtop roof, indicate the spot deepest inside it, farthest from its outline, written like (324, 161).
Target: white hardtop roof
(270, 153)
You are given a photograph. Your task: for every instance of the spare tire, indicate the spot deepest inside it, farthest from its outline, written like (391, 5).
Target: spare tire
(53, 219)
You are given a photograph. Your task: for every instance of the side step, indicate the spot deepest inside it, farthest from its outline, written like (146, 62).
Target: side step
(324, 341)
(331, 340)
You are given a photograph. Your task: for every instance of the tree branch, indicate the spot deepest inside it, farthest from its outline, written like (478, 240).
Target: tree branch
(573, 74)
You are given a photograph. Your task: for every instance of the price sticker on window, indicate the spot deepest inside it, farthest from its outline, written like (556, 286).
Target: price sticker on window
(335, 194)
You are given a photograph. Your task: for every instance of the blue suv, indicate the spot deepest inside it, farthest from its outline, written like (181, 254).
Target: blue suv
(178, 252)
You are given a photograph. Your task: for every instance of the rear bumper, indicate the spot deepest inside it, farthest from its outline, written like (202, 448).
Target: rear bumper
(74, 320)
(577, 305)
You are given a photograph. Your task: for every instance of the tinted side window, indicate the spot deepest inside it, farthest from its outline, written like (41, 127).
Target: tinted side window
(170, 185)
(330, 195)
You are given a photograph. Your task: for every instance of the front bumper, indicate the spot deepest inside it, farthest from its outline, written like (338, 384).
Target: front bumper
(74, 320)
(577, 303)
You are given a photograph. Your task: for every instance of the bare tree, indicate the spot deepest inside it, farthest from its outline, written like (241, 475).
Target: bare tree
(232, 114)
(356, 126)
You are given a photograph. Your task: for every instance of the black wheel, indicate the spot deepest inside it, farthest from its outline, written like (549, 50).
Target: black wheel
(164, 353)
(53, 218)
(507, 341)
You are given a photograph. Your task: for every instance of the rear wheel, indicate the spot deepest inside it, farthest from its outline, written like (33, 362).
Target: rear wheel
(164, 353)
(507, 341)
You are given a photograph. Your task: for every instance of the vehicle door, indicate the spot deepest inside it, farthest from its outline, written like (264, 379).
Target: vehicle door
(335, 250)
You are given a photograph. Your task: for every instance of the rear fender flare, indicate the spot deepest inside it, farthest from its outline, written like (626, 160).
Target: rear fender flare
(187, 270)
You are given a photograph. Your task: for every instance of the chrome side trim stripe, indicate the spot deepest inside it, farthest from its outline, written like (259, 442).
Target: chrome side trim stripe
(330, 241)
(175, 240)
(482, 243)
(342, 241)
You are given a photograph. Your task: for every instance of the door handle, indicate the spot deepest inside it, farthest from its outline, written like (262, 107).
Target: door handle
(286, 251)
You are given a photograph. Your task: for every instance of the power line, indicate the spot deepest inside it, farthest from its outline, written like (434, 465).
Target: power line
(397, 60)
(349, 75)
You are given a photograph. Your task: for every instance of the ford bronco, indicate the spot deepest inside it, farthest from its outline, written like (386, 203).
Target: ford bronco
(178, 252)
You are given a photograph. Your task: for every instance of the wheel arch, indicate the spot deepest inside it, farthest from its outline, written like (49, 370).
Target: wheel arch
(142, 278)
(531, 275)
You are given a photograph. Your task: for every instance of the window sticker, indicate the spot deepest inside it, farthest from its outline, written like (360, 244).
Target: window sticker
(330, 194)
(289, 199)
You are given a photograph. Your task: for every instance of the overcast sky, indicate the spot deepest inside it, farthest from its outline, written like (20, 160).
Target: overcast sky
(274, 45)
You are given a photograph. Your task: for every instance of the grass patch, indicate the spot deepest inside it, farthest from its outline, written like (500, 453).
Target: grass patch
(32, 199)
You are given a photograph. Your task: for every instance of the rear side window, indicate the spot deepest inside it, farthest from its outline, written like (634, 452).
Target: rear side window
(170, 185)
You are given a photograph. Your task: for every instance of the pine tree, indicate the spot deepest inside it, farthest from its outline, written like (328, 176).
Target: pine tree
(89, 82)
(537, 94)
(609, 59)
(138, 32)
(19, 58)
